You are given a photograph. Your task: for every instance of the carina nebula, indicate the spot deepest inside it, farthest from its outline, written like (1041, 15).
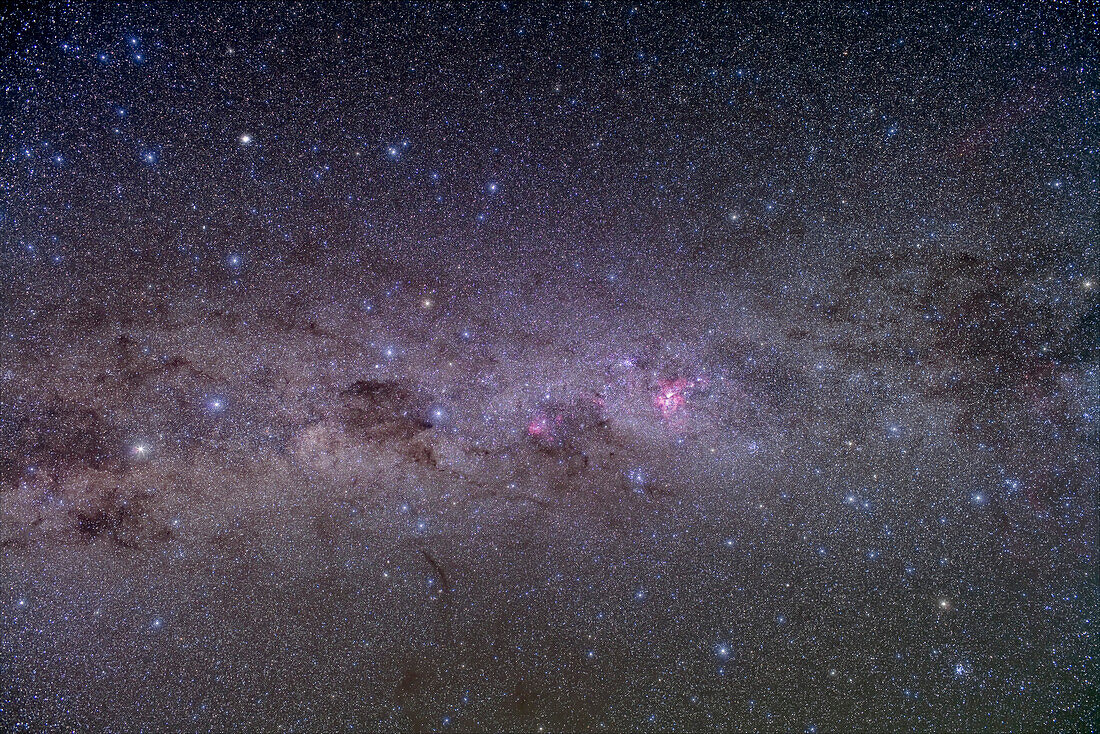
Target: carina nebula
(549, 367)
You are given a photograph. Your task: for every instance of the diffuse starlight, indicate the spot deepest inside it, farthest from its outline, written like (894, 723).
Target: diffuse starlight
(548, 368)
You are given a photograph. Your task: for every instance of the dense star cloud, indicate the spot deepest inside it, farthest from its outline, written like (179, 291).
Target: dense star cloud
(549, 367)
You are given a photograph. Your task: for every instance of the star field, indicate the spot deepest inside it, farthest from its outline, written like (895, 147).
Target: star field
(549, 367)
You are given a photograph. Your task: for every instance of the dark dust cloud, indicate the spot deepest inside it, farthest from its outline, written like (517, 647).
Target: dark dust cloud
(549, 367)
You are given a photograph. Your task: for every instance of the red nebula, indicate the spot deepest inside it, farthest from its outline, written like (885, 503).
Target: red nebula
(542, 426)
(670, 397)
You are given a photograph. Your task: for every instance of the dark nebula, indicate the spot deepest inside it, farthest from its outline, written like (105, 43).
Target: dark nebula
(549, 367)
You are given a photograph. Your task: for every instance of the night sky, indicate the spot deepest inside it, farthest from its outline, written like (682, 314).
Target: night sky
(557, 367)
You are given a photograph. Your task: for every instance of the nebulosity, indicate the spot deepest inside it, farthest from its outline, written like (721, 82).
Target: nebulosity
(539, 368)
